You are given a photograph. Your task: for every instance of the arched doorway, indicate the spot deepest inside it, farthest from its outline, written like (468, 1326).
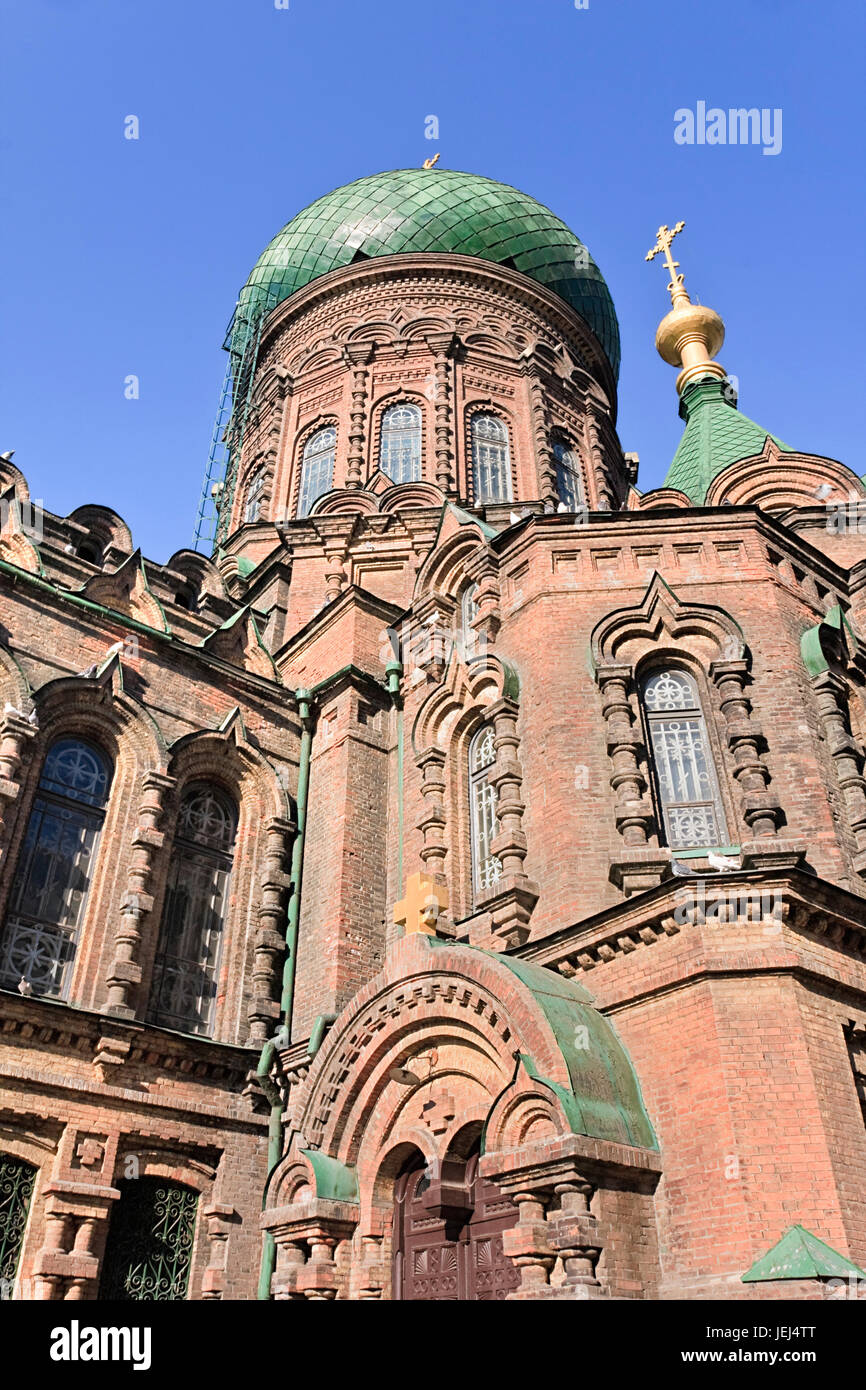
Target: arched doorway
(448, 1235)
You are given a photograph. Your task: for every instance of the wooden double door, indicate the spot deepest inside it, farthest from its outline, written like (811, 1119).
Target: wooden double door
(456, 1255)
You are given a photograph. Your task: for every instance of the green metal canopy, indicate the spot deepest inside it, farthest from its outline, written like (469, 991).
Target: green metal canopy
(833, 639)
(604, 1100)
(434, 210)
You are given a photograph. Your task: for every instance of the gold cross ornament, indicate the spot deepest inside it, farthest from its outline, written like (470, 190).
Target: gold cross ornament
(422, 905)
(663, 248)
(429, 163)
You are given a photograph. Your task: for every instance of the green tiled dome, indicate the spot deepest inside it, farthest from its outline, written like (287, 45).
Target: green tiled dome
(435, 210)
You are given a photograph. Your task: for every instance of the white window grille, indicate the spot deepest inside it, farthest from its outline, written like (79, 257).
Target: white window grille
(486, 868)
(255, 497)
(685, 773)
(491, 459)
(317, 474)
(400, 452)
(568, 480)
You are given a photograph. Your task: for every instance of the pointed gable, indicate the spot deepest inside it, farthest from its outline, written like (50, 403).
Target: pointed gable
(800, 1255)
(126, 590)
(239, 643)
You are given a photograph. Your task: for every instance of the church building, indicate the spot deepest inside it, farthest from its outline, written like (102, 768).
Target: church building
(447, 881)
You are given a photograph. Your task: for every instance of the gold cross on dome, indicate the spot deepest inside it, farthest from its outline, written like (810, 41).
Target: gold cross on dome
(419, 910)
(428, 163)
(663, 248)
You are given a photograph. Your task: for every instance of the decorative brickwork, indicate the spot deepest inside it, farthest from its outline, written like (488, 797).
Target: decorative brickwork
(452, 1093)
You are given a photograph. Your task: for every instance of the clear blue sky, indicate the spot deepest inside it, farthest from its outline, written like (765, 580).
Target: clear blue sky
(126, 257)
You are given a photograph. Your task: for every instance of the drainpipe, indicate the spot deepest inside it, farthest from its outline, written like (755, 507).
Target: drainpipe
(284, 1035)
(304, 699)
(320, 1028)
(275, 1147)
(393, 675)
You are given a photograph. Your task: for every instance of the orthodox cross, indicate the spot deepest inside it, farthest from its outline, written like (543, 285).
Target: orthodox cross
(428, 163)
(420, 908)
(89, 1152)
(438, 1112)
(663, 248)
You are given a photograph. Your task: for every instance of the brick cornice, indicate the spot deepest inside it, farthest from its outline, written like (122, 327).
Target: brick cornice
(811, 906)
(662, 523)
(443, 269)
(51, 1023)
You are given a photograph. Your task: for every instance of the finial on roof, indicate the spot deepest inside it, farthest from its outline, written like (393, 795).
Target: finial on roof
(663, 248)
(428, 163)
(691, 334)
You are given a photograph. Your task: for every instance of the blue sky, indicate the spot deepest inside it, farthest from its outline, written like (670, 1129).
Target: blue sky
(125, 257)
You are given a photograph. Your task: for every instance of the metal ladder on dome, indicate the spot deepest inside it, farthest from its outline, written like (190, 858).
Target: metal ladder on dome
(227, 438)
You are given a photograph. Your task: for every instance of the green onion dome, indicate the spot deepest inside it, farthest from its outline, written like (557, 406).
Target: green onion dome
(434, 210)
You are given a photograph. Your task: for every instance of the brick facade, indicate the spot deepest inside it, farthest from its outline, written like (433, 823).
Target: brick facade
(727, 1108)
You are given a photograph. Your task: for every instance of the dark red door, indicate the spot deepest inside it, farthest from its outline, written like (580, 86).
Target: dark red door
(490, 1274)
(447, 1258)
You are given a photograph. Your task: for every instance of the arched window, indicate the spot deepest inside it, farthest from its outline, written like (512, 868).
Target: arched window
(184, 979)
(49, 892)
(468, 608)
(568, 481)
(255, 496)
(148, 1251)
(470, 641)
(317, 472)
(491, 459)
(685, 774)
(17, 1179)
(486, 868)
(400, 453)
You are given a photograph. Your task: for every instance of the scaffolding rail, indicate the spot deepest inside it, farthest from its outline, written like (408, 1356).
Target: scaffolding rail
(242, 341)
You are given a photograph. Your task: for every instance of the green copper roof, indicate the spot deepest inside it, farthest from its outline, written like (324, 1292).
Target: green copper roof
(715, 435)
(334, 1181)
(833, 639)
(800, 1255)
(424, 210)
(605, 1098)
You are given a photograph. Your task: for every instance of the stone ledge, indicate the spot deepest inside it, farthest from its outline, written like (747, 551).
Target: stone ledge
(552, 1159)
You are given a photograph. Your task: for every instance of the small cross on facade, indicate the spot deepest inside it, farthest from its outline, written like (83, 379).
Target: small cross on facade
(438, 1113)
(89, 1152)
(420, 909)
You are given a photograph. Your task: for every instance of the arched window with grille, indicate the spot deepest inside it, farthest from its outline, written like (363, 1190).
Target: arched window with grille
(55, 867)
(569, 486)
(17, 1180)
(317, 469)
(190, 938)
(491, 459)
(255, 496)
(486, 868)
(400, 448)
(149, 1248)
(683, 766)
